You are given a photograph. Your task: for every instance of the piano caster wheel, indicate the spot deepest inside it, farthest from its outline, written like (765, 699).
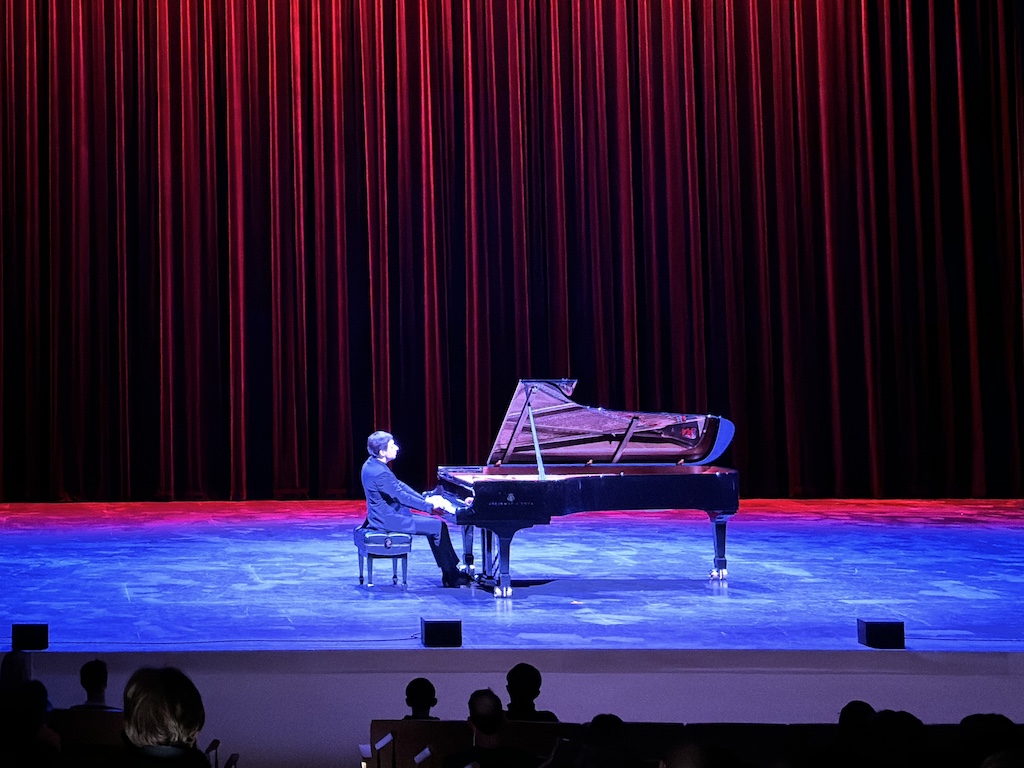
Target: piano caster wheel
(719, 574)
(503, 591)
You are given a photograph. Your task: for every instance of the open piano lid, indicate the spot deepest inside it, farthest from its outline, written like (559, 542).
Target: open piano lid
(570, 433)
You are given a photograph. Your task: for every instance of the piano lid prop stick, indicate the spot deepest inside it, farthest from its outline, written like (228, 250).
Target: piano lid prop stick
(536, 445)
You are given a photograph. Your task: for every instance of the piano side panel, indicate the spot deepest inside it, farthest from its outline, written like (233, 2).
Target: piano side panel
(502, 494)
(708, 491)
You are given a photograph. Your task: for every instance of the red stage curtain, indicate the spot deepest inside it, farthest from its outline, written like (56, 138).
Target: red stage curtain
(240, 235)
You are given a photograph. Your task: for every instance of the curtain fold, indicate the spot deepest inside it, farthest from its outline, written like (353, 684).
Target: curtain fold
(239, 236)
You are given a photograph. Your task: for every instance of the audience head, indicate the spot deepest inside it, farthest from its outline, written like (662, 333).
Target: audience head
(162, 707)
(15, 669)
(893, 738)
(604, 744)
(485, 711)
(985, 734)
(604, 729)
(420, 693)
(93, 676)
(28, 707)
(523, 682)
(855, 715)
(896, 724)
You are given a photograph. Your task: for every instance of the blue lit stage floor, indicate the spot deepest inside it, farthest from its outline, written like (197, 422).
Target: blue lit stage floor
(283, 576)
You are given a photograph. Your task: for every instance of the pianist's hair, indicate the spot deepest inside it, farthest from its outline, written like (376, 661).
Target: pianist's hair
(378, 441)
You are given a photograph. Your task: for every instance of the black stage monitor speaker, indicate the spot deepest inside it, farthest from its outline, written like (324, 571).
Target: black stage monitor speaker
(880, 634)
(30, 637)
(441, 634)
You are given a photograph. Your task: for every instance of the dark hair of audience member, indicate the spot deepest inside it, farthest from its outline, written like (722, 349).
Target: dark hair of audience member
(15, 669)
(602, 744)
(489, 748)
(485, 712)
(93, 677)
(523, 686)
(983, 735)
(855, 715)
(895, 738)
(420, 696)
(523, 680)
(162, 707)
(25, 739)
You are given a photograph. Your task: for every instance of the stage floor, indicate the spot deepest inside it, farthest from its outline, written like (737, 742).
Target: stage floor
(283, 576)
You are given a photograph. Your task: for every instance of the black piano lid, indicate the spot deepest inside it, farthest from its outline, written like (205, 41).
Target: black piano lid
(570, 433)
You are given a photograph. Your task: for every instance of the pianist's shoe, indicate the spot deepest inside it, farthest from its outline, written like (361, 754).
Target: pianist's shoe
(456, 579)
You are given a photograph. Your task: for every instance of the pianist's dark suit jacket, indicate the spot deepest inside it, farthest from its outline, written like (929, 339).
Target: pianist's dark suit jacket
(388, 499)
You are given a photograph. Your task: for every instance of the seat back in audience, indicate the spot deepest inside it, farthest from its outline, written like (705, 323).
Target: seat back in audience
(426, 743)
(82, 725)
(537, 738)
(90, 738)
(423, 743)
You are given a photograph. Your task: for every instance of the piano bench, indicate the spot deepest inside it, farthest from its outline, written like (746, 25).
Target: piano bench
(382, 545)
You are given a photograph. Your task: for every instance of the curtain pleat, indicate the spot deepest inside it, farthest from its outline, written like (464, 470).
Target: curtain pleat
(973, 362)
(867, 229)
(472, 286)
(237, 141)
(239, 236)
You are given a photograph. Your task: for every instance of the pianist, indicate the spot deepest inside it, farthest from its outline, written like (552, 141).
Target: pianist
(390, 504)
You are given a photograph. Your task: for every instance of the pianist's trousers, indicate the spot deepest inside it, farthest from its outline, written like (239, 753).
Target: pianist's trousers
(440, 542)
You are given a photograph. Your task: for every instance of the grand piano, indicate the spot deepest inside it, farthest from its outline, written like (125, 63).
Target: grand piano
(555, 457)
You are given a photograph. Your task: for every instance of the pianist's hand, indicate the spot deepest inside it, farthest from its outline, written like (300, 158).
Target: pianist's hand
(441, 504)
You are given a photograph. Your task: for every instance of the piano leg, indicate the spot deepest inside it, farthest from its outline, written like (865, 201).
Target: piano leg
(718, 522)
(495, 551)
(503, 583)
(467, 549)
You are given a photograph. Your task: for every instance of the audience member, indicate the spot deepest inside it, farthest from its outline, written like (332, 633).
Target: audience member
(851, 739)
(689, 755)
(486, 717)
(93, 677)
(15, 669)
(420, 696)
(1007, 758)
(26, 741)
(603, 743)
(896, 738)
(523, 685)
(841, 747)
(854, 718)
(982, 735)
(163, 714)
